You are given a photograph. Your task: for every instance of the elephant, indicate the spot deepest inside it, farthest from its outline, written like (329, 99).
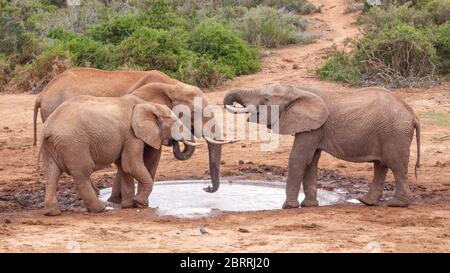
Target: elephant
(88, 133)
(99, 83)
(366, 125)
(95, 82)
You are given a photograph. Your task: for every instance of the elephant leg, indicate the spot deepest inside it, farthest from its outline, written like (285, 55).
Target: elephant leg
(87, 193)
(310, 182)
(133, 164)
(151, 159)
(52, 174)
(116, 191)
(127, 189)
(376, 187)
(401, 195)
(303, 150)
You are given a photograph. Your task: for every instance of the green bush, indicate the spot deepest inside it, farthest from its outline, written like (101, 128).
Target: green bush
(268, 27)
(297, 6)
(34, 76)
(404, 45)
(341, 67)
(202, 72)
(442, 43)
(85, 51)
(5, 71)
(220, 44)
(401, 50)
(154, 49)
(115, 29)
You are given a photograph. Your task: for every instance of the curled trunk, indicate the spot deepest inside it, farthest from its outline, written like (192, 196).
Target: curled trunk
(187, 152)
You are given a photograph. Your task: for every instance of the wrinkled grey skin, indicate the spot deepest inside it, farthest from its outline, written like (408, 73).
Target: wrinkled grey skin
(89, 133)
(100, 83)
(367, 125)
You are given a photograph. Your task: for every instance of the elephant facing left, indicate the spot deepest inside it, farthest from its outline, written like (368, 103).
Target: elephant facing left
(89, 133)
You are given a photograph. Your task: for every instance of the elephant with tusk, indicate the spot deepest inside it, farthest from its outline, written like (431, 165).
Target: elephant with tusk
(366, 125)
(99, 83)
(87, 133)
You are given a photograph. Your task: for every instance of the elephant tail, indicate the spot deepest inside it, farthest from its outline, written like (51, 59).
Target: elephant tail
(417, 127)
(37, 105)
(38, 168)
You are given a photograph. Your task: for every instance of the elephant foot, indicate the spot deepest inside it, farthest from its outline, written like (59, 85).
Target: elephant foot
(128, 205)
(291, 204)
(310, 203)
(368, 201)
(52, 212)
(141, 203)
(117, 199)
(97, 207)
(399, 202)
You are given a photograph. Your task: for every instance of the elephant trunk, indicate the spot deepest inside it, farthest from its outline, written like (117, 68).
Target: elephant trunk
(187, 152)
(215, 153)
(231, 97)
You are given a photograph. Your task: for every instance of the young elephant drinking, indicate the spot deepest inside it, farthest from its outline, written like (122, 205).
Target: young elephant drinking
(89, 133)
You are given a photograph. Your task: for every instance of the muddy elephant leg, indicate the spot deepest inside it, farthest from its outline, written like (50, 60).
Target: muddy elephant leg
(303, 150)
(401, 195)
(52, 174)
(127, 189)
(151, 159)
(87, 193)
(116, 191)
(310, 182)
(376, 187)
(132, 163)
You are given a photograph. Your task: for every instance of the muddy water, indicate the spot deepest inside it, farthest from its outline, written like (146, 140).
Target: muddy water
(187, 198)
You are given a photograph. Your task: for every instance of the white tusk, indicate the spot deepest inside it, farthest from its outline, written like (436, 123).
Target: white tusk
(189, 143)
(233, 109)
(212, 141)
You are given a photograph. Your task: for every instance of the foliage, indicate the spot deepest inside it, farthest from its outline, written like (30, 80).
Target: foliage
(268, 27)
(191, 40)
(404, 45)
(220, 44)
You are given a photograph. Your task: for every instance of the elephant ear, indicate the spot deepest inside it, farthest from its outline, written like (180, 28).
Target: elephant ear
(145, 125)
(304, 113)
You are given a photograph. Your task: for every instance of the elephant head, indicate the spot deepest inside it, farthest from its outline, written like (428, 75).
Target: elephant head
(192, 99)
(299, 110)
(153, 124)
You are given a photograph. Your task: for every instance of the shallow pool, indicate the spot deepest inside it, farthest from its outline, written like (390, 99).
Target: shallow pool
(186, 198)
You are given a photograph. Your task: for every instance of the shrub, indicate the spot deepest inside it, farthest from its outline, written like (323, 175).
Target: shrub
(202, 72)
(220, 44)
(154, 49)
(85, 51)
(42, 70)
(401, 51)
(438, 11)
(5, 71)
(341, 67)
(297, 6)
(268, 27)
(115, 29)
(442, 43)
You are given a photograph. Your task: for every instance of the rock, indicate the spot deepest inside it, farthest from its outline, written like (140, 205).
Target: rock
(282, 66)
(243, 145)
(244, 230)
(203, 230)
(241, 162)
(288, 60)
(222, 162)
(7, 221)
(295, 66)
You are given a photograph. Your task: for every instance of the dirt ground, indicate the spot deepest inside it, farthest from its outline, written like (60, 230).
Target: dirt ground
(339, 228)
